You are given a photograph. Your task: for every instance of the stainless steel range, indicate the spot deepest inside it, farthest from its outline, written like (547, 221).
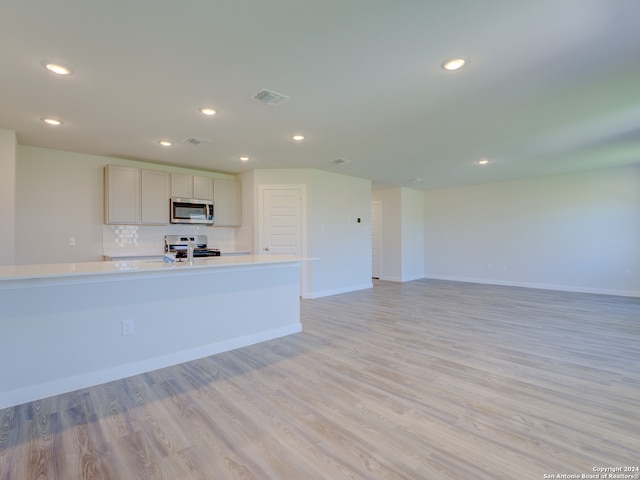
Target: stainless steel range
(178, 245)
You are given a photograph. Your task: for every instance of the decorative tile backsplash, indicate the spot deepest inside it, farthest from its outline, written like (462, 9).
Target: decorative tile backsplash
(151, 237)
(126, 236)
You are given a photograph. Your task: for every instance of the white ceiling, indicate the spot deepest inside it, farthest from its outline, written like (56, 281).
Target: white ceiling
(553, 86)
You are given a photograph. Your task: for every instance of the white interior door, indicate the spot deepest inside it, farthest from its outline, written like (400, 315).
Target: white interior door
(376, 239)
(282, 224)
(281, 221)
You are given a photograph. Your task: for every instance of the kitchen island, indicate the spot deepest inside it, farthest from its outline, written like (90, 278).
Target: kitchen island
(71, 326)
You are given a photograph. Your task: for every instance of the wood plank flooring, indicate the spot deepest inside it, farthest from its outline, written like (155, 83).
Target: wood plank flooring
(420, 380)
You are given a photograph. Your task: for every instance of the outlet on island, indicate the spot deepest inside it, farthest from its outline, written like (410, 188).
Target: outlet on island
(128, 326)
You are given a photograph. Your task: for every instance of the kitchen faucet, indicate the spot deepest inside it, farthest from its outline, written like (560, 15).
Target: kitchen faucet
(190, 247)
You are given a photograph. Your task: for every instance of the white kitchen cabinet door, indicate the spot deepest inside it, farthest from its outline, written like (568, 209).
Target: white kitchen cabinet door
(190, 186)
(122, 195)
(227, 203)
(155, 197)
(181, 185)
(203, 188)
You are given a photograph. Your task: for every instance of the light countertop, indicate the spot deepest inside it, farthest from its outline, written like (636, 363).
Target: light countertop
(58, 270)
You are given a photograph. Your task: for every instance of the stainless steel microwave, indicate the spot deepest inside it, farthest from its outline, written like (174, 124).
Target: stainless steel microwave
(190, 210)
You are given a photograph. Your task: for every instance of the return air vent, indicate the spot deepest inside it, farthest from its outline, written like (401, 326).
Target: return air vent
(195, 141)
(270, 97)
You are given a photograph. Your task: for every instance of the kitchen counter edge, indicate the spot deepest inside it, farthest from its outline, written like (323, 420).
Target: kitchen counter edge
(66, 270)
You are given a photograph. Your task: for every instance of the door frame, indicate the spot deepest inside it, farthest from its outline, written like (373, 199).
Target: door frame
(378, 234)
(305, 270)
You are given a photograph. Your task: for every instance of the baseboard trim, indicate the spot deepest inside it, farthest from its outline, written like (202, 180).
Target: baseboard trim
(541, 286)
(327, 293)
(402, 279)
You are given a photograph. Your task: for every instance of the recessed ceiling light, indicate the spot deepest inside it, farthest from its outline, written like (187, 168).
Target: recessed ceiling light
(298, 138)
(166, 143)
(54, 122)
(207, 111)
(484, 161)
(244, 159)
(415, 180)
(56, 68)
(455, 63)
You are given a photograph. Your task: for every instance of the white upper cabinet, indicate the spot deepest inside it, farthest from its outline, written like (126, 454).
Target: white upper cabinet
(181, 185)
(190, 186)
(203, 188)
(122, 195)
(227, 203)
(134, 196)
(155, 197)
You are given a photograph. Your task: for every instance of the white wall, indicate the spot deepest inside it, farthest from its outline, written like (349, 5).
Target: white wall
(574, 232)
(412, 234)
(569, 232)
(60, 195)
(391, 228)
(402, 233)
(339, 244)
(7, 197)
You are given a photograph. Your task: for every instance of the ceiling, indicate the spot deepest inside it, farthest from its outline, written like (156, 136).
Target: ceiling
(552, 86)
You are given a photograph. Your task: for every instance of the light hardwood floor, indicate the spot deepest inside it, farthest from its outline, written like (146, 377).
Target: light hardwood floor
(421, 380)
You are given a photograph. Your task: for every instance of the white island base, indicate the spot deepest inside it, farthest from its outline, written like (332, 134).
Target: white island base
(71, 326)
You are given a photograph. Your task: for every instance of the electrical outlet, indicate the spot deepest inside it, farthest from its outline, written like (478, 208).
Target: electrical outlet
(128, 326)
(72, 241)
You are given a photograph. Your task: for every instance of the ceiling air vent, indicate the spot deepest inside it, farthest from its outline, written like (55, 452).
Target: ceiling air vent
(270, 97)
(340, 161)
(195, 141)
